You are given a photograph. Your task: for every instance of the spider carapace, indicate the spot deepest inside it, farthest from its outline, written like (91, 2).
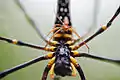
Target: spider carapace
(62, 48)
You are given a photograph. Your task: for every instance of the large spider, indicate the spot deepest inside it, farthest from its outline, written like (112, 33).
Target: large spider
(62, 50)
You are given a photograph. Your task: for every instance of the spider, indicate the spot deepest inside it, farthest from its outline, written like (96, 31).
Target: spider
(62, 50)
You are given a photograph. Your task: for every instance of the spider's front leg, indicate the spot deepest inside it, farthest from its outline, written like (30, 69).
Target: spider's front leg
(102, 29)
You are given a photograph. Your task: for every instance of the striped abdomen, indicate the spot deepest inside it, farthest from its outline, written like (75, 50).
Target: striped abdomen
(63, 21)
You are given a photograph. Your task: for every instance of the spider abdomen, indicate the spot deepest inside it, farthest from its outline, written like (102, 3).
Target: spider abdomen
(63, 67)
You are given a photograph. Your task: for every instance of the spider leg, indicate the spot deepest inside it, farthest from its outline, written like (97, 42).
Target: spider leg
(100, 58)
(79, 69)
(77, 54)
(53, 36)
(102, 29)
(26, 64)
(47, 68)
(20, 43)
(81, 39)
(77, 66)
(45, 73)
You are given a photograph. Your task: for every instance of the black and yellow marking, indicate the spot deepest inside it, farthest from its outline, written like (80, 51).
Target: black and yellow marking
(70, 42)
(52, 71)
(73, 70)
(75, 53)
(74, 61)
(20, 43)
(49, 55)
(51, 62)
(51, 49)
(53, 43)
(104, 27)
(51, 67)
(65, 37)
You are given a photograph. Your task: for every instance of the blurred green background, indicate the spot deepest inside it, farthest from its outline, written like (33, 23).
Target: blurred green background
(14, 25)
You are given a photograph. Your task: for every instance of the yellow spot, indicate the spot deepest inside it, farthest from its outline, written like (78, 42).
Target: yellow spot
(72, 47)
(75, 53)
(73, 70)
(50, 49)
(67, 36)
(52, 71)
(69, 42)
(54, 42)
(71, 29)
(104, 27)
(50, 63)
(49, 55)
(14, 41)
(74, 61)
(58, 35)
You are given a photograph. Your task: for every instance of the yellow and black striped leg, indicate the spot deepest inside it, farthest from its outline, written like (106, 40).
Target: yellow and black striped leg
(102, 29)
(20, 43)
(26, 64)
